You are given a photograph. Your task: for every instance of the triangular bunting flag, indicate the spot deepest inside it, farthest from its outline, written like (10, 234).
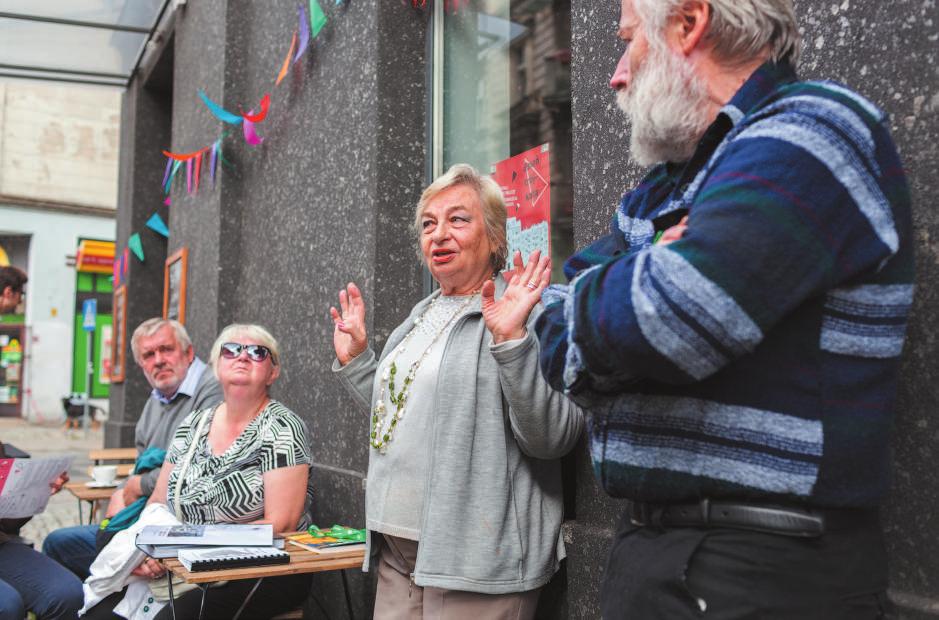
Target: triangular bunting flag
(136, 246)
(157, 224)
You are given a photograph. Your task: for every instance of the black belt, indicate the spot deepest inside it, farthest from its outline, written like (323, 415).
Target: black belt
(768, 518)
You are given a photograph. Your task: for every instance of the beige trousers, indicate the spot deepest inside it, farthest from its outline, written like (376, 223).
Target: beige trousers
(398, 599)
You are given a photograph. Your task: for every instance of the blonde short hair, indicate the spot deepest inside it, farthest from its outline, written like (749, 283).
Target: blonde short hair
(152, 326)
(490, 199)
(248, 330)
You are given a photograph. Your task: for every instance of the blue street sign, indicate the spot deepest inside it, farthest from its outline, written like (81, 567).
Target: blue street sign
(89, 310)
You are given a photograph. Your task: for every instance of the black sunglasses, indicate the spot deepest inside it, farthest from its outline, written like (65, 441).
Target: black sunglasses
(256, 352)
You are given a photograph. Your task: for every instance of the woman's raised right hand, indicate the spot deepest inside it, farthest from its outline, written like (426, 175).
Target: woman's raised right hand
(349, 336)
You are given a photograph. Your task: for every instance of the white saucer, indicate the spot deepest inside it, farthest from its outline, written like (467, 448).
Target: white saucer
(100, 485)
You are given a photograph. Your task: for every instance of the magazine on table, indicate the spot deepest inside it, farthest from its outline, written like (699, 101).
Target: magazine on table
(218, 558)
(326, 544)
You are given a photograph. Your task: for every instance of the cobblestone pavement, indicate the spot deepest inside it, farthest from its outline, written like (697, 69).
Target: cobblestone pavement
(62, 509)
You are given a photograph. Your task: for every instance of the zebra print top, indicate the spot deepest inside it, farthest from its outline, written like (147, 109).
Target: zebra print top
(229, 488)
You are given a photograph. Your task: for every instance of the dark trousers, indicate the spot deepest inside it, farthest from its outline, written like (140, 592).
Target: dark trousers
(680, 573)
(273, 597)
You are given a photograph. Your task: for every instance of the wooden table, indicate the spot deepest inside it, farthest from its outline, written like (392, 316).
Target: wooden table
(301, 561)
(88, 494)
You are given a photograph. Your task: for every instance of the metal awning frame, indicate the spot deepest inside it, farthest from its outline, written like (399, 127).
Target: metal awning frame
(51, 74)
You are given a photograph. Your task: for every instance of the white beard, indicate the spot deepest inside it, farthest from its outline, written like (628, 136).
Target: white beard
(667, 107)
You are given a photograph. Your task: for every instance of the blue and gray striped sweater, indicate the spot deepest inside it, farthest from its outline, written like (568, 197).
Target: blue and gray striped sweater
(757, 357)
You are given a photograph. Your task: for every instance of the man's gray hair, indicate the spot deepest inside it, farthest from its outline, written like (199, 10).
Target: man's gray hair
(152, 326)
(490, 199)
(739, 29)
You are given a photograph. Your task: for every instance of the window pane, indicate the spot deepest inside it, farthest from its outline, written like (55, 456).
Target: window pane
(507, 90)
(139, 13)
(56, 46)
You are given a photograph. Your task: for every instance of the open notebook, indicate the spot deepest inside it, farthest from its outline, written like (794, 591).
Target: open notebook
(219, 558)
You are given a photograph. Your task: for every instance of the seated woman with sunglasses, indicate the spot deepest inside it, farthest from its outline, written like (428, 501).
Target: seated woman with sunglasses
(246, 460)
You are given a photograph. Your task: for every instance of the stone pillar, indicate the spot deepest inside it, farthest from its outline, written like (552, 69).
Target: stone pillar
(145, 130)
(326, 199)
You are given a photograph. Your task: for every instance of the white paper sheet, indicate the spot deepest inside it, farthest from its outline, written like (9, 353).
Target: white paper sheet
(24, 484)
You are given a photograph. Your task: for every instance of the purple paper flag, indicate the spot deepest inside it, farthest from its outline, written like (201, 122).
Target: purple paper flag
(166, 174)
(213, 161)
(169, 182)
(304, 33)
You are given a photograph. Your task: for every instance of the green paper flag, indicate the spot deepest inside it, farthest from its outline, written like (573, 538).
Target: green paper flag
(136, 246)
(317, 17)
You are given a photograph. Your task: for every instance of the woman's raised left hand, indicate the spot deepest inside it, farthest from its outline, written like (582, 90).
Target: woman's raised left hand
(506, 317)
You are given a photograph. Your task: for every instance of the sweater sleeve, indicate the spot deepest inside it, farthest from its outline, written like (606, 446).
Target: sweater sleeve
(358, 376)
(545, 422)
(792, 207)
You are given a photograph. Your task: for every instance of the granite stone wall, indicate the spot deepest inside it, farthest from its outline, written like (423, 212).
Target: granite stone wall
(327, 198)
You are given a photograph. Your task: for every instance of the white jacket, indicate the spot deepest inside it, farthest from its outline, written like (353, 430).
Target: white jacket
(111, 570)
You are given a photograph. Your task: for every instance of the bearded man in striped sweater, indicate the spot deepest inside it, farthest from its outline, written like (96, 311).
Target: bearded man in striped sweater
(740, 371)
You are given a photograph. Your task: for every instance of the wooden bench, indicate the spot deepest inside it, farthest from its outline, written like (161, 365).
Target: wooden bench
(112, 454)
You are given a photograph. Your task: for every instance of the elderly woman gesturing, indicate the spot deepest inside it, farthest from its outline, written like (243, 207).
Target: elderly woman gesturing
(464, 486)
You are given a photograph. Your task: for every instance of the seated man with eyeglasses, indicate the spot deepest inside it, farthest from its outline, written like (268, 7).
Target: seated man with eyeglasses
(181, 384)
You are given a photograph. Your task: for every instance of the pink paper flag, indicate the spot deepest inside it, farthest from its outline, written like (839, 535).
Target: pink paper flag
(198, 169)
(251, 136)
(167, 201)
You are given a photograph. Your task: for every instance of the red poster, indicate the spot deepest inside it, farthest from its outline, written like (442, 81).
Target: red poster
(526, 185)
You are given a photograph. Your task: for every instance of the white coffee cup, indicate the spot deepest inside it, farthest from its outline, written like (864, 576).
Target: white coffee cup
(104, 474)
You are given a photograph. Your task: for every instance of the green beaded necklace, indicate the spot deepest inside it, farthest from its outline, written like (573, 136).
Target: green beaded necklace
(379, 439)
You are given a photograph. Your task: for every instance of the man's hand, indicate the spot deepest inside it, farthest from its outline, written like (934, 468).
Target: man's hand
(132, 490)
(115, 504)
(674, 233)
(56, 485)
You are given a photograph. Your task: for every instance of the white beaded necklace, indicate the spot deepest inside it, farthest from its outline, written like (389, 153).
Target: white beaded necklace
(378, 438)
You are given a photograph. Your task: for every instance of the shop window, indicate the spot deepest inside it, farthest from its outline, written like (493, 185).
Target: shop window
(85, 282)
(103, 283)
(501, 86)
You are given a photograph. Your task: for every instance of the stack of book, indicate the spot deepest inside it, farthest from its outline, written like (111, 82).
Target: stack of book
(214, 547)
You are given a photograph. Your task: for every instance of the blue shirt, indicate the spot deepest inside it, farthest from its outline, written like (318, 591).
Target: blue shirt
(188, 386)
(757, 356)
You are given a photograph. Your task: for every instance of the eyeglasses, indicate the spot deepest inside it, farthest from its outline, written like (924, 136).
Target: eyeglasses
(256, 352)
